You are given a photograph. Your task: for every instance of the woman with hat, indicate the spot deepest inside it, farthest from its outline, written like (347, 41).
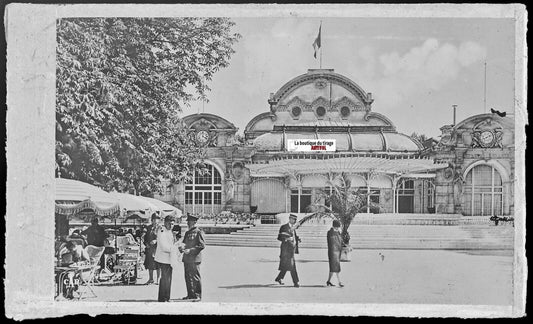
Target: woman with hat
(150, 242)
(334, 252)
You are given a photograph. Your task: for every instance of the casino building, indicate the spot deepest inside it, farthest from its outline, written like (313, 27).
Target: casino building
(469, 171)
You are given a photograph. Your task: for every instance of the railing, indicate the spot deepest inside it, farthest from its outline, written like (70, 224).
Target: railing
(203, 209)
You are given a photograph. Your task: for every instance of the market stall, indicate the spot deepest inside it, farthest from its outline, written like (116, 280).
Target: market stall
(82, 202)
(128, 249)
(163, 208)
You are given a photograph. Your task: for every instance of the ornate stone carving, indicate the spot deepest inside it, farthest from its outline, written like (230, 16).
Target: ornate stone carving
(487, 134)
(448, 138)
(294, 102)
(487, 138)
(287, 181)
(237, 170)
(203, 124)
(204, 138)
(321, 83)
(448, 173)
(230, 190)
(319, 102)
(372, 174)
(346, 102)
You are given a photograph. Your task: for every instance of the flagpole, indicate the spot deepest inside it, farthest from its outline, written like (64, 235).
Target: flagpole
(321, 47)
(485, 91)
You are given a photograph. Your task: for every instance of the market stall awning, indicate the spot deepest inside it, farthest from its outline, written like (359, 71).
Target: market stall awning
(131, 203)
(74, 196)
(351, 164)
(163, 207)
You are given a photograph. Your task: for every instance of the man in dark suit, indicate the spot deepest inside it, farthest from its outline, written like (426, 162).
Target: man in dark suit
(289, 247)
(95, 233)
(193, 244)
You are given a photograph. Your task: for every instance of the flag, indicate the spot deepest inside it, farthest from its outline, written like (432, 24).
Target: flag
(316, 44)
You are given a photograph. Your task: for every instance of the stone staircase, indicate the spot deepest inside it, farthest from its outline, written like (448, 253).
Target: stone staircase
(377, 236)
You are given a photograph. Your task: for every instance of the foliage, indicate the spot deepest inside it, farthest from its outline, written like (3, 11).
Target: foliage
(342, 203)
(121, 84)
(419, 137)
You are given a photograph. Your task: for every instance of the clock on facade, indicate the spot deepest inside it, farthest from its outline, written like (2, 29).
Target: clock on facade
(486, 138)
(202, 136)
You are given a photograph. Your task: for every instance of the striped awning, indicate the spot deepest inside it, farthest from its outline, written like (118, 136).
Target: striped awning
(74, 196)
(353, 164)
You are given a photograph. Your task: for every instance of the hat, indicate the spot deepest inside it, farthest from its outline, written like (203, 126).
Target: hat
(192, 217)
(293, 216)
(169, 218)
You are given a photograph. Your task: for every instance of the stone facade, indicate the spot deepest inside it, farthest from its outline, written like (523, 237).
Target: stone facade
(469, 171)
(481, 140)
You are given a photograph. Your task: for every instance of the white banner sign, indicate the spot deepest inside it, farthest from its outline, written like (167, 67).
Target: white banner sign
(311, 145)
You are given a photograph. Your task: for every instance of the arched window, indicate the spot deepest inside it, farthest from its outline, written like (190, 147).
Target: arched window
(483, 192)
(203, 195)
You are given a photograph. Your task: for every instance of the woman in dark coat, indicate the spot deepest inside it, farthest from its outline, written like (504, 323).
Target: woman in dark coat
(150, 242)
(334, 252)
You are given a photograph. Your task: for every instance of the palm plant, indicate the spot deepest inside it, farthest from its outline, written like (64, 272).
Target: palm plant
(343, 203)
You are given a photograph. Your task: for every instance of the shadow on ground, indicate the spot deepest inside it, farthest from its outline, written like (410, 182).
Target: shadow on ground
(154, 300)
(269, 286)
(297, 261)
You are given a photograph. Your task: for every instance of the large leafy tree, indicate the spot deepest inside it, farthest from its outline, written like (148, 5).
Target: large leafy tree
(121, 83)
(343, 202)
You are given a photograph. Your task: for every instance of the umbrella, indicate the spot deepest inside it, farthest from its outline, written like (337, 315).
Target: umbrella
(73, 196)
(163, 207)
(131, 203)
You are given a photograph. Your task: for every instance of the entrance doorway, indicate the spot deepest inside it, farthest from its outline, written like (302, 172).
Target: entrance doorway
(406, 204)
(405, 195)
(483, 192)
(203, 195)
(300, 200)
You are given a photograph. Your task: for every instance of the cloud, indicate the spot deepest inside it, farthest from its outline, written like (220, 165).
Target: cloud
(276, 53)
(427, 67)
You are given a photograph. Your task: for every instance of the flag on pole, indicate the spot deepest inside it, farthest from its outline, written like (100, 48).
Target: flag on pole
(316, 43)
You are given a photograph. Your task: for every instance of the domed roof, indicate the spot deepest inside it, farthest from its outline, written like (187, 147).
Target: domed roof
(400, 142)
(269, 142)
(355, 142)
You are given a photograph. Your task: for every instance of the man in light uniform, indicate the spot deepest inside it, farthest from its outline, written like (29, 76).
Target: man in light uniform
(165, 241)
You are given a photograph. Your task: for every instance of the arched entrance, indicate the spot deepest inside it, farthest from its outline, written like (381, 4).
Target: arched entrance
(483, 191)
(203, 195)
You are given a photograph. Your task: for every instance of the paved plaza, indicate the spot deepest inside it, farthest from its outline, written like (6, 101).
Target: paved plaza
(246, 275)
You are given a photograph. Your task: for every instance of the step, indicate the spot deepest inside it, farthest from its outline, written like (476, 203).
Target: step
(455, 246)
(479, 236)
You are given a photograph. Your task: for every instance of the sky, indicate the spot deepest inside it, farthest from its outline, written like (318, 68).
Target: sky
(415, 68)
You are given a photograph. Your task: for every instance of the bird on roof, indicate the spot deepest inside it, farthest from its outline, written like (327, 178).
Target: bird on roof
(497, 112)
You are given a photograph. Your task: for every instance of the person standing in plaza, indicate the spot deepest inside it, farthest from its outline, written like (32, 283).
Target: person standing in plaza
(95, 233)
(150, 243)
(165, 241)
(289, 247)
(334, 252)
(96, 236)
(193, 244)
